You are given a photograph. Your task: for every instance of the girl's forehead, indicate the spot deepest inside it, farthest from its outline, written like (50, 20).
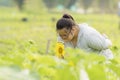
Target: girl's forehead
(64, 30)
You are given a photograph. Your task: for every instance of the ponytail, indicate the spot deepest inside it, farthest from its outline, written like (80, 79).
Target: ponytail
(67, 16)
(66, 21)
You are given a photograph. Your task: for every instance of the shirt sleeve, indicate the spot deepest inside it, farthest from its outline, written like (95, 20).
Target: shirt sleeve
(96, 41)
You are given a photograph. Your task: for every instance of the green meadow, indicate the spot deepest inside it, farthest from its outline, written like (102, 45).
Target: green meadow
(27, 48)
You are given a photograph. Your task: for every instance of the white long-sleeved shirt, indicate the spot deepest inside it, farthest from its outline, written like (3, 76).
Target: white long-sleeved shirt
(91, 40)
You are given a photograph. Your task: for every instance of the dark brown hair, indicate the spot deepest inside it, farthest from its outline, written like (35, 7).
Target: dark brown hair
(67, 21)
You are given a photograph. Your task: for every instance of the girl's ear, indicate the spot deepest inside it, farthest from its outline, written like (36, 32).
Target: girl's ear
(73, 29)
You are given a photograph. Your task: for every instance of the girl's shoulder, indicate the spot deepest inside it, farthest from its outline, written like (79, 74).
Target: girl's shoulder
(82, 25)
(85, 26)
(87, 29)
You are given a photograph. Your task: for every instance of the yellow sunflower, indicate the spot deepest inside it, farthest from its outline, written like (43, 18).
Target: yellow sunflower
(60, 49)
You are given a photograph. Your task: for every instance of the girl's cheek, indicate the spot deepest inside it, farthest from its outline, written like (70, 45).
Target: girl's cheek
(67, 40)
(71, 37)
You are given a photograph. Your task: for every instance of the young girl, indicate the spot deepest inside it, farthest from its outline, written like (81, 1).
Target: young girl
(82, 36)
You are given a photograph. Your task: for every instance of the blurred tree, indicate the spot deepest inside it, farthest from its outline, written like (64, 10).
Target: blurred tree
(67, 3)
(20, 4)
(71, 2)
(86, 4)
(103, 5)
(34, 6)
(50, 3)
(53, 3)
(7, 3)
(114, 5)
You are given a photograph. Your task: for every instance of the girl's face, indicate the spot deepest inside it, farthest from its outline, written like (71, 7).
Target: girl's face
(66, 34)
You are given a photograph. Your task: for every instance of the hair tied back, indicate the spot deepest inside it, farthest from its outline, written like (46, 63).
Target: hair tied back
(68, 16)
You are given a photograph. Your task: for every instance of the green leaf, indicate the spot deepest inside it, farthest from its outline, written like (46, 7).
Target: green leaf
(96, 72)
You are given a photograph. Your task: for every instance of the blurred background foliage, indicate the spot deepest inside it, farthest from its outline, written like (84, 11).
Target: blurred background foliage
(95, 6)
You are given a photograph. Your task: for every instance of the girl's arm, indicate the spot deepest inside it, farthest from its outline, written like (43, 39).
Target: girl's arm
(97, 41)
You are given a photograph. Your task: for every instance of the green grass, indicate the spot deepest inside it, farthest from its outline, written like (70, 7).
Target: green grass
(23, 47)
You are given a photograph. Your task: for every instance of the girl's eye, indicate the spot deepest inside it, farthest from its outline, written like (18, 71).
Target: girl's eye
(63, 36)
